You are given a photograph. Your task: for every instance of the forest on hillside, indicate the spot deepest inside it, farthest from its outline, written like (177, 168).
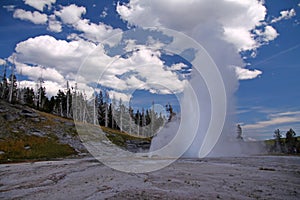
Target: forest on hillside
(101, 109)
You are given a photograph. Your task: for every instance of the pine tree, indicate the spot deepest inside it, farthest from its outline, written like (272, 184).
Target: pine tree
(4, 86)
(290, 141)
(239, 132)
(68, 101)
(101, 109)
(29, 96)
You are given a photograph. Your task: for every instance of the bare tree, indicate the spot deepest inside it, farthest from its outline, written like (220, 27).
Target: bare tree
(277, 145)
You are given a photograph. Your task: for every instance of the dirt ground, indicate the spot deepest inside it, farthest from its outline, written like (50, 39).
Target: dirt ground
(259, 177)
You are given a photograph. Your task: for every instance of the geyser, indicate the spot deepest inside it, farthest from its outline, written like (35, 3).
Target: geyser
(201, 95)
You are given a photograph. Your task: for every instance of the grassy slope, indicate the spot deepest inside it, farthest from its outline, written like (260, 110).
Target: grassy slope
(17, 145)
(39, 148)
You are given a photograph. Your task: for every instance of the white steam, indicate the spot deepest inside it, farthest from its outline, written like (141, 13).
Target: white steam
(223, 28)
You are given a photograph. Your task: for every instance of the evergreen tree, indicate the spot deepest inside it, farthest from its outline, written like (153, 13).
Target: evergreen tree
(68, 102)
(239, 132)
(4, 85)
(138, 121)
(60, 103)
(101, 109)
(291, 141)
(49, 105)
(29, 96)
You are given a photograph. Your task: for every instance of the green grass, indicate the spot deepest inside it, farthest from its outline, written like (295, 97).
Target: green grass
(119, 138)
(15, 136)
(41, 148)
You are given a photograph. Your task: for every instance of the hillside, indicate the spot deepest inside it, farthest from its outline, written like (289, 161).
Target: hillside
(28, 134)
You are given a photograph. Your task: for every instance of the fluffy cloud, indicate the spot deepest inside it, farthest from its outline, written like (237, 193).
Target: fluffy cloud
(36, 72)
(95, 32)
(144, 70)
(117, 95)
(235, 18)
(71, 14)
(49, 52)
(270, 33)
(2, 62)
(35, 17)
(285, 14)
(246, 74)
(267, 34)
(57, 60)
(39, 4)
(54, 60)
(177, 66)
(51, 87)
(54, 25)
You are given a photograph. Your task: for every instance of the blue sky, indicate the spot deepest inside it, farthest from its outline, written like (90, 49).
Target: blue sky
(259, 40)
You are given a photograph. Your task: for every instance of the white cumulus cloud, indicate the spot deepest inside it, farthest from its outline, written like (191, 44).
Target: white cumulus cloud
(71, 14)
(246, 74)
(35, 17)
(2, 62)
(39, 4)
(285, 14)
(96, 32)
(235, 19)
(51, 87)
(54, 25)
(47, 51)
(270, 33)
(36, 72)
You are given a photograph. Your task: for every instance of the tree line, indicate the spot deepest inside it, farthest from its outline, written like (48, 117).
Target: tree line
(101, 109)
(289, 144)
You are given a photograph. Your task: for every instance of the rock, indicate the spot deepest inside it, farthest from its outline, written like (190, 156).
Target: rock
(3, 110)
(69, 124)
(35, 120)
(10, 117)
(27, 147)
(137, 145)
(18, 106)
(57, 120)
(2, 152)
(28, 113)
(37, 133)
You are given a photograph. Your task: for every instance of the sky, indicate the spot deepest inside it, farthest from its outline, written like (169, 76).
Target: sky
(255, 45)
